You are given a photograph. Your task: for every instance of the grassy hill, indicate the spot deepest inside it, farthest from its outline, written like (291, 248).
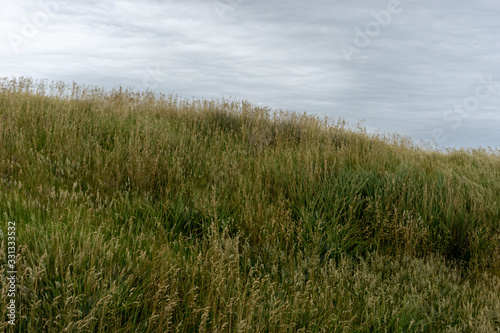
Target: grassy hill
(139, 212)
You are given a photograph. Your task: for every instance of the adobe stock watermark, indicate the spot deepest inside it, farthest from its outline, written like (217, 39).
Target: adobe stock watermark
(11, 273)
(223, 6)
(153, 77)
(463, 110)
(372, 29)
(34, 25)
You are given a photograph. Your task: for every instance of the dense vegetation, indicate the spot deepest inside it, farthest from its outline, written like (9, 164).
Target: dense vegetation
(140, 212)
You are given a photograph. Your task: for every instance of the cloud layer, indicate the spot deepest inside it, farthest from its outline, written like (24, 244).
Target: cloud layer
(415, 68)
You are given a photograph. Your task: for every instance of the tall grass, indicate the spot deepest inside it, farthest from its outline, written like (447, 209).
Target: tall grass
(141, 212)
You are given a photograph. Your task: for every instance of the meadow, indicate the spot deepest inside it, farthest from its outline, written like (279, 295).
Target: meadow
(144, 212)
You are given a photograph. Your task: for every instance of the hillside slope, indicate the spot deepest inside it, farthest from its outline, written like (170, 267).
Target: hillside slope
(138, 212)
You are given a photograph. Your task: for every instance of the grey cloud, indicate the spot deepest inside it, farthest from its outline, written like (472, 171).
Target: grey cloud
(281, 54)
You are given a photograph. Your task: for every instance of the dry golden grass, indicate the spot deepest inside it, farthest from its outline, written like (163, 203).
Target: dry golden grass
(140, 212)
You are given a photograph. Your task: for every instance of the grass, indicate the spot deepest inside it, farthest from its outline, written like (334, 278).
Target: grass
(141, 212)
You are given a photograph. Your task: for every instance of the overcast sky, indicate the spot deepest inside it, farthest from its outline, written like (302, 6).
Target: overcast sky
(425, 69)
